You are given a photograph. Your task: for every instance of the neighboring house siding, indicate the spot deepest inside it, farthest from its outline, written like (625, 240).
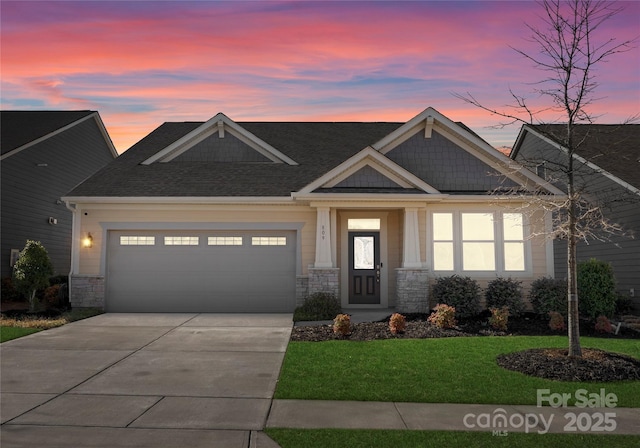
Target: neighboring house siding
(445, 166)
(31, 194)
(619, 205)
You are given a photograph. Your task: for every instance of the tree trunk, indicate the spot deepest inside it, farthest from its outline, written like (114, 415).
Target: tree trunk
(33, 301)
(573, 316)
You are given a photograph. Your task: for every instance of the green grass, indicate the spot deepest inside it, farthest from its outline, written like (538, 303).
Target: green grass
(8, 333)
(340, 438)
(445, 370)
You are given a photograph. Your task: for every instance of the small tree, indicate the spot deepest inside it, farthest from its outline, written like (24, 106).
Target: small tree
(569, 52)
(32, 271)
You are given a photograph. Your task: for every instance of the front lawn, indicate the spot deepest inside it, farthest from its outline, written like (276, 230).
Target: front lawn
(437, 370)
(360, 438)
(8, 333)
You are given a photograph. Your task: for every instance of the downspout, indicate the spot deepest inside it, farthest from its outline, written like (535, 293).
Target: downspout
(75, 239)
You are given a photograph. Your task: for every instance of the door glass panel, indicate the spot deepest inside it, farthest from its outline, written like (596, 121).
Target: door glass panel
(363, 252)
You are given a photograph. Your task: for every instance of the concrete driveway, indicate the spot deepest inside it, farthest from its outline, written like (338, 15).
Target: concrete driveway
(144, 380)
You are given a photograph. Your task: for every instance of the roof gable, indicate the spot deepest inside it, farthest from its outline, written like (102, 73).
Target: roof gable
(205, 143)
(23, 129)
(386, 174)
(611, 149)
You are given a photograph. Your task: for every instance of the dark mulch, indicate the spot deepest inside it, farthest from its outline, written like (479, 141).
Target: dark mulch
(552, 364)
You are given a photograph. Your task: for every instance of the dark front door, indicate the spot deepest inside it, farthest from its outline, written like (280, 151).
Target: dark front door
(364, 268)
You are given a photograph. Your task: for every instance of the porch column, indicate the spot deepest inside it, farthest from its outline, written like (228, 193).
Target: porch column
(411, 246)
(323, 239)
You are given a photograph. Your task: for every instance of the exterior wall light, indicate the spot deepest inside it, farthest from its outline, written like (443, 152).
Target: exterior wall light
(87, 241)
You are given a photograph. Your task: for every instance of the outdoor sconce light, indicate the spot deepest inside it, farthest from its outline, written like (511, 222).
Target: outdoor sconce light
(88, 241)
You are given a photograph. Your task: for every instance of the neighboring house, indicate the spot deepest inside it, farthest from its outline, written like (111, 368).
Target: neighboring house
(255, 216)
(607, 163)
(44, 155)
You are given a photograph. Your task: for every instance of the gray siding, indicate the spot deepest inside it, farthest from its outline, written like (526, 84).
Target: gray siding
(445, 166)
(226, 149)
(31, 193)
(618, 204)
(367, 177)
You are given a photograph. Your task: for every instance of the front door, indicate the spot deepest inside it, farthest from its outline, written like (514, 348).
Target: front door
(364, 268)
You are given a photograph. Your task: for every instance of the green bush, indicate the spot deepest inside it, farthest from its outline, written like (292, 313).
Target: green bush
(318, 306)
(547, 295)
(32, 271)
(596, 289)
(462, 293)
(505, 292)
(9, 292)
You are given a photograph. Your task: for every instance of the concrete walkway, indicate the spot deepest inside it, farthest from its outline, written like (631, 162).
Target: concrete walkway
(143, 380)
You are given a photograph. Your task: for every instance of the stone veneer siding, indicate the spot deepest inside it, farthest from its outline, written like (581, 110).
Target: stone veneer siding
(324, 280)
(302, 289)
(412, 290)
(87, 291)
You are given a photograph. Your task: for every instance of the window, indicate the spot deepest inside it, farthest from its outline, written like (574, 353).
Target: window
(181, 240)
(478, 242)
(225, 241)
(137, 240)
(268, 240)
(363, 223)
(513, 232)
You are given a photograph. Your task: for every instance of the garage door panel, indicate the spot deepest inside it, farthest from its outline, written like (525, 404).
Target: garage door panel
(202, 278)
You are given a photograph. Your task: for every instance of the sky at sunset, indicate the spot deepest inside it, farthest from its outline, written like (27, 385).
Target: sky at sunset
(141, 63)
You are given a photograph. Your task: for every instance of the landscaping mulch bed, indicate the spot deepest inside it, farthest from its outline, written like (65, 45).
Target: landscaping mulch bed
(554, 364)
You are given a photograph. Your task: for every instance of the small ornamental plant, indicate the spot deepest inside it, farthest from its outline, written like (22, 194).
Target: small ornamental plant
(603, 324)
(556, 321)
(342, 325)
(499, 318)
(443, 316)
(397, 323)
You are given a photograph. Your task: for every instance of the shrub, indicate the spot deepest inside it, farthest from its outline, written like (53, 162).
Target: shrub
(624, 304)
(603, 325)
(556, 321)
(548, 294)
(505, 292)
(32, 271)
(499, 318)
(397, 323)
(443, 316)
(9, 293)
(319, 306)
(596, 288)
(52, 294)
(342, 325)
(462, 293)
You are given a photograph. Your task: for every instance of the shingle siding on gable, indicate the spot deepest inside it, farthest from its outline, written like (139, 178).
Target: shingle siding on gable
(367, 177)
(29, 192)
(445, 166)
(226, 149)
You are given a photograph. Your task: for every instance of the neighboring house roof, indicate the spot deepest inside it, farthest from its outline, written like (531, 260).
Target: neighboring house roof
(223, 158)
(614, 148)
(22, 129)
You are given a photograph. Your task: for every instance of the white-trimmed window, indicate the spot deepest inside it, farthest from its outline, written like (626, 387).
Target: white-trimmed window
(181, 240)
(478, 241)
(268, 240)
(224, 241)
(137, 240)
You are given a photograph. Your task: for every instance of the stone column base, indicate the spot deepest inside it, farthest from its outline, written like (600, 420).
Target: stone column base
(412, 290)
(324, 280)
(87, 291)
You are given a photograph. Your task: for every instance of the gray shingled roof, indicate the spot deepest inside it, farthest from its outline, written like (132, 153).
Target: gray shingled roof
(18, 127)
(613, 147)
(317, 148)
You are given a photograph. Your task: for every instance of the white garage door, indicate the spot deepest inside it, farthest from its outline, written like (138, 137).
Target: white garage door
(201, 271)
